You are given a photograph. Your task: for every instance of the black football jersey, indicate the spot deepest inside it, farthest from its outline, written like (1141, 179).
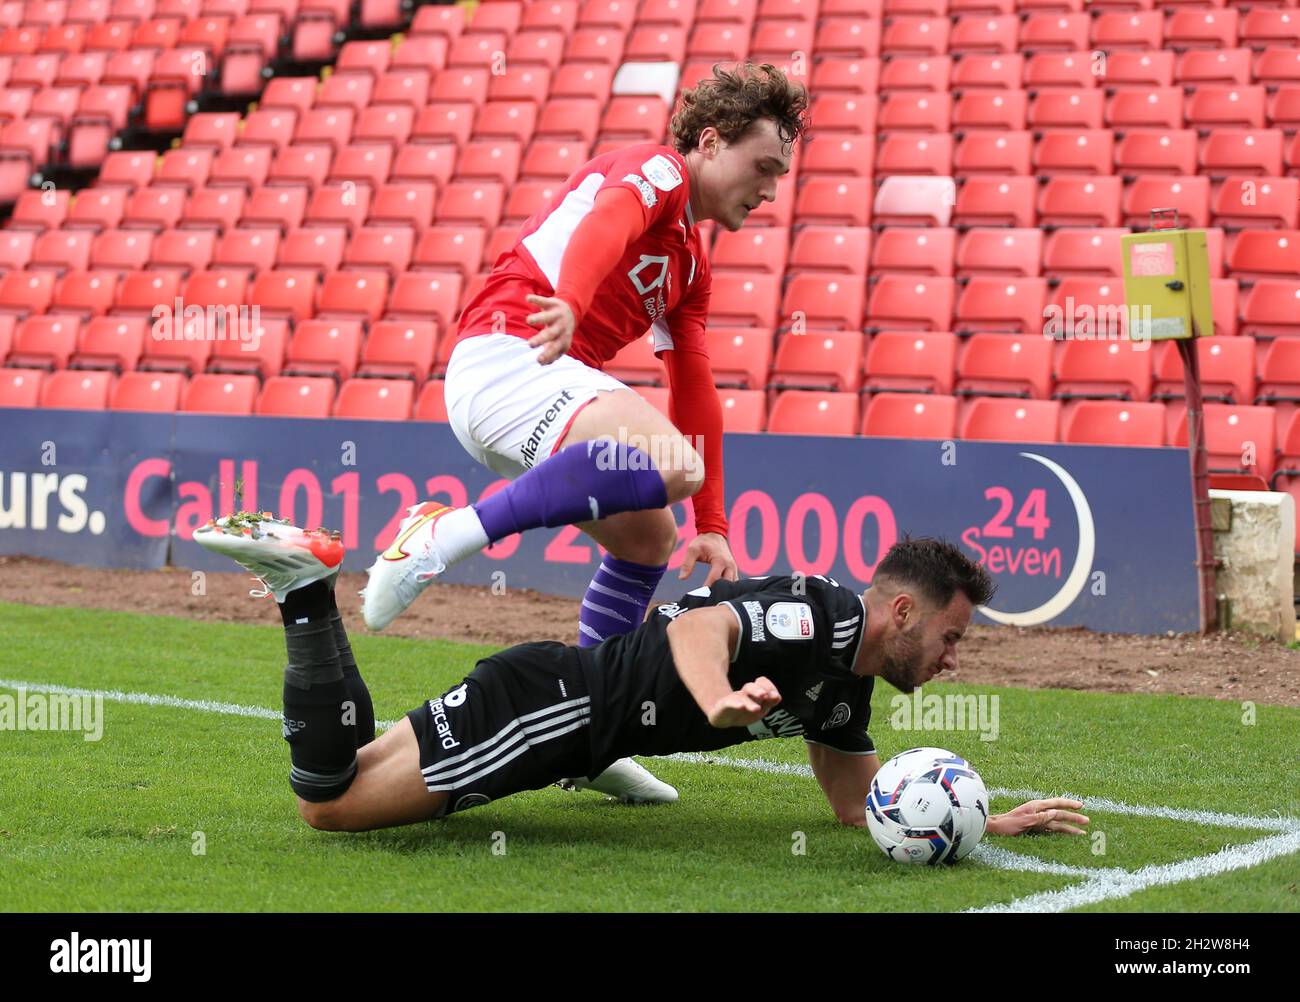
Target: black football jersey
(802, 633)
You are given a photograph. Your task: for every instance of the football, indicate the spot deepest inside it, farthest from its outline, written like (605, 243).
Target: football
(927, 805)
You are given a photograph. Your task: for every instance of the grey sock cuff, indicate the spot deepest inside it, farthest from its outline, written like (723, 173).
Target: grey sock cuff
(313, 658)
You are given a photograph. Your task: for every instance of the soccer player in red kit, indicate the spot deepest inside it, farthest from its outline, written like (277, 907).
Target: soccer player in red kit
(616, 252)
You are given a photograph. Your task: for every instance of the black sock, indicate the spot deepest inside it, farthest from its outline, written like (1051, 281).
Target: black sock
(318, 724)
(356, 685)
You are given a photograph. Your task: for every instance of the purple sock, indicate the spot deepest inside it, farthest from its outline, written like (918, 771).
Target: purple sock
(616, 599)
(589, 480)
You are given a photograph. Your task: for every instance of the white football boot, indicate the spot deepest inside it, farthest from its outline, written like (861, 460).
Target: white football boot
(409, 564)
(275, 551)
(628, 781)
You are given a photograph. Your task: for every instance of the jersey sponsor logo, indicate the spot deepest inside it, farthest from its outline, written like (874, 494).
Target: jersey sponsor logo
(671, 609)
(650, 273)
(438, 711)
(777, 724)
(755, 612)
(838, 718)
(648, 195)
(790, 621)
(662, 172)
(529, 451)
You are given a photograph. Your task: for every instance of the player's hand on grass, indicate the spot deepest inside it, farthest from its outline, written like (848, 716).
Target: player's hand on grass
(1039, 817)
(747, 705)
(556, 321)
(711, 548)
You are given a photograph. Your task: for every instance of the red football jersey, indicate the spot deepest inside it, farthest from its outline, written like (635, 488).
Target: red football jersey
(662, 281)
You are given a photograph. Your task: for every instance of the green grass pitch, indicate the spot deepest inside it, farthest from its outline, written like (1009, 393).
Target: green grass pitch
(111, 825)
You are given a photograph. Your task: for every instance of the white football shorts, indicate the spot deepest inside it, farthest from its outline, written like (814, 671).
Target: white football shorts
(509, 412)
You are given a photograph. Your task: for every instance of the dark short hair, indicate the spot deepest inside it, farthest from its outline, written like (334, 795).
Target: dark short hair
(732, 100)
(937, 569)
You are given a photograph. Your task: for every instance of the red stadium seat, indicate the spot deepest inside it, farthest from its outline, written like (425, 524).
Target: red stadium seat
(1279, 372)
(744, 299)
(910, 251)
(1151, 108)
(16, 247)
(1156, 151)
(147, 391)
(1261, 26)
(324, 348)
(1258, 202)
(823, 248)
(1135, 31)
(432, 404)
(318, 249)
(743, 410)
(1070, 70)
(185, 250)
(1005, 252)
(285, 293)
(830, 360)
(375, 399)
(1067, 200)
(1217, 106)
(84, 293)
(254, 250)
(1114, 422)
(841, 154)
(741, 357)
(187, 169)
(1227, 366)
(1226, 66)
(761, 249)
(636, 364)
(907, 302)
(45, 342)
(211, 393)
(1083, 252)
(112, 342)
(1239, 439)
(913, 361)
(1075, 151)
(1242, 152)
(399, 350)
(824, 301)
(25, 292)
(904, 153)
(1259, 254)
(73, 390)
(62, 249)
(856, 77)
(290, 396)
(996, 201)
(908, 415)
(1207, 29)
(1104, 369)
(810, 412)
(1059, 32)
(1190, 196)
(20, 387)
(997, 303)
(1067, 108)
(1005, 365)
(417, 294)
(993, 34)
(1001, 71)
(1270, 309)
(1008, 420)
(831, 201)
(260, 352)
(910, 110)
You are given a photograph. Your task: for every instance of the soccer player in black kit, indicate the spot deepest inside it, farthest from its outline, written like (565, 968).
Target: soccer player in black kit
(736, 661)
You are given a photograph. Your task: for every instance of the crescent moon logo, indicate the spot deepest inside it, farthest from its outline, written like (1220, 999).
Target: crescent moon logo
(1078, 576)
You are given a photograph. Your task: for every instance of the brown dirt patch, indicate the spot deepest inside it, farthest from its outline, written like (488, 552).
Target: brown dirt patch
(1223, 666)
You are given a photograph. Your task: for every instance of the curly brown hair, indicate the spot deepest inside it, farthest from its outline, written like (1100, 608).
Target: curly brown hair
(732, 100)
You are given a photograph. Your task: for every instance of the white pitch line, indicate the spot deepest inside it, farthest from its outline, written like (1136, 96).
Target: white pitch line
(1110, 885)
(1282, 824)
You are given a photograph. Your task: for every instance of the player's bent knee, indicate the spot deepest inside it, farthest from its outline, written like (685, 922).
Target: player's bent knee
(683, 472)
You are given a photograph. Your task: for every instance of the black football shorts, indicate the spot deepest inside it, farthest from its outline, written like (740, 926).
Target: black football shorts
(519, 721)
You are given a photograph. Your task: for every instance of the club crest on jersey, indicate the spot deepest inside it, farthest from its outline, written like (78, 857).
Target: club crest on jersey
(662, 172)
(838, 718)
(647, 191)
(790, 621)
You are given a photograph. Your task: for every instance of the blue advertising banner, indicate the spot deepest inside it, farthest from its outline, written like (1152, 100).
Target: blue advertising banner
(1074, 535)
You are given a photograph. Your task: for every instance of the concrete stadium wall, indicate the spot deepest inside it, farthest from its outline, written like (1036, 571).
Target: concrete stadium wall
(1254, 541)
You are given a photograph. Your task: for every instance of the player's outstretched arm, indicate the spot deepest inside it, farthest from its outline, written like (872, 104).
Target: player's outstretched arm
(845, 779)
(1039, 817)
(701, 642)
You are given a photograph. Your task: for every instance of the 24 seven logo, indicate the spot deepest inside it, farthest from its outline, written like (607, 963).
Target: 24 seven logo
(657, 281)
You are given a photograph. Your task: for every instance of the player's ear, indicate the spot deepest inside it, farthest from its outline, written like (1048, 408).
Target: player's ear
(903, 606)
(710, 141)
